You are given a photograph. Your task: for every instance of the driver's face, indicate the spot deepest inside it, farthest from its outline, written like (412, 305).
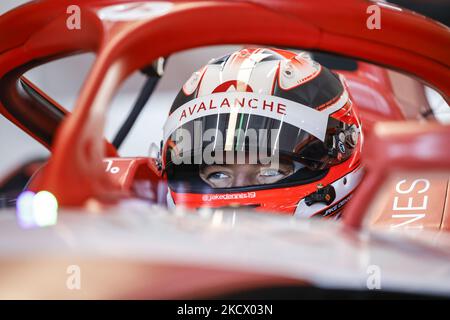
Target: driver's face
(241, 175)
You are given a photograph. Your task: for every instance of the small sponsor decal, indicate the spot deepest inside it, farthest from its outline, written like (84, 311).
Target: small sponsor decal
(337, 206)
(229, 196)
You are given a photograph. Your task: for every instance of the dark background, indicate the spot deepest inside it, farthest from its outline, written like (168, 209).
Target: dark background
(436, 9)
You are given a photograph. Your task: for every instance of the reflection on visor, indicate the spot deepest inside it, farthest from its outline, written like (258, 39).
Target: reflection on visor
(203, 142)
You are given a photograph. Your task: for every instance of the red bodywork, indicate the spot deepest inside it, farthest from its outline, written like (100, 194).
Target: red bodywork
(76, 173)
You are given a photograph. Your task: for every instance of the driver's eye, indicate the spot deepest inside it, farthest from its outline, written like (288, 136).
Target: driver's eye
(270, 173)
(218, 176)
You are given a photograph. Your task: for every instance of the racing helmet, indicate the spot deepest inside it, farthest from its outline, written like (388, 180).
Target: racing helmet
(277, 117)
